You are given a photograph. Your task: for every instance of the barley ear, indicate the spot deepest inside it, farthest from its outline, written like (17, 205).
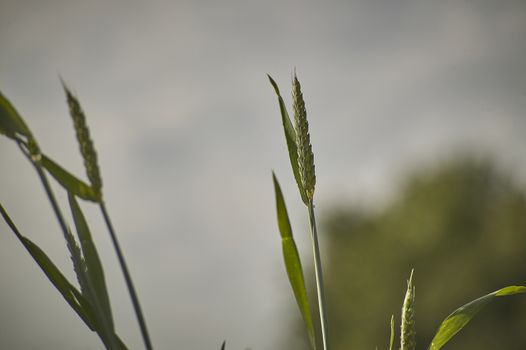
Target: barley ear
(305, 155)
(408, 333)
(87, 149)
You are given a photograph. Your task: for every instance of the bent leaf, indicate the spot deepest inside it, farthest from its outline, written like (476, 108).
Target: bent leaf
(55, 276)
(68, 181)
(290, 137)
(461, 316)
(293, 262)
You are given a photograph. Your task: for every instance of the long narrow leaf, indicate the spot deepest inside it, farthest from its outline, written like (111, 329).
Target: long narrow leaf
(95, 273)
(290, 136)
(292, 261)
(461, 316)
(55, 276)
(68, 181)
(11, 123)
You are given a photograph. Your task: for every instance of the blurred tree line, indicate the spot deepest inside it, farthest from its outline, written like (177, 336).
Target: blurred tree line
(462, 227)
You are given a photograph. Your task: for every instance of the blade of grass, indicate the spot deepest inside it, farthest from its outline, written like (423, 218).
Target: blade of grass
(290, 137)
(70, 294)
(292, 261)
(461, 316)
(55, 276)
(94, 275)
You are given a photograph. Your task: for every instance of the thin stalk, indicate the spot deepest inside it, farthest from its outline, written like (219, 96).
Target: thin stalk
(319, 276)
(127, 277)
(45, 183)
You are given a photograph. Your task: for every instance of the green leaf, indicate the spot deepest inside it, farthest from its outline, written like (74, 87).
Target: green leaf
(461, 316)
(290, 136)
(11, 123)
(293, 262)
(391, 340)
(55, 276)
(71, 294)
(68, 181)
(98, 293)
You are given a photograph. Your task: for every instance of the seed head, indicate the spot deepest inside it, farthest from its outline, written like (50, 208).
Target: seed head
(408, 333)
(85, 144)
(305, 155)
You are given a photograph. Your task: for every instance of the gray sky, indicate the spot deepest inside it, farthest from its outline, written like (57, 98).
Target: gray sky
(187, 129)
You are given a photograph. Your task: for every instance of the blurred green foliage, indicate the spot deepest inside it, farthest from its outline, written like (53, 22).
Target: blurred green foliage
(462, 227)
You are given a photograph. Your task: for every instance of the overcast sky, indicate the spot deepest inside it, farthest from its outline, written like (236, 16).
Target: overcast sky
(187, 129)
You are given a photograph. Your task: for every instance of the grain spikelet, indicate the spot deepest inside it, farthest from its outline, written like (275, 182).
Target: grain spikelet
(85, 143)
(408, 333)
(305, 155)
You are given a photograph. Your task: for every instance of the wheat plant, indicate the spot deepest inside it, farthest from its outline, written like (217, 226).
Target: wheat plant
(302, 162)
(91, 302)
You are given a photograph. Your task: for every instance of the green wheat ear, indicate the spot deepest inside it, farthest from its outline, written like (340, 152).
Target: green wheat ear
(408, 333)
(85, 143)
(305, 155)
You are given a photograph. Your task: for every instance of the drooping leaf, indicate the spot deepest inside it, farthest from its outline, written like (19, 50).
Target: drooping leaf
(461, 316)
(68, 181)
(98, 293)
(71, 295)
(293, 262)
(55, 276)
(11, 123)
(290, 137)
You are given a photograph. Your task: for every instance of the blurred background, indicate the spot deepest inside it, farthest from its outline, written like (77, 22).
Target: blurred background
(417, 116)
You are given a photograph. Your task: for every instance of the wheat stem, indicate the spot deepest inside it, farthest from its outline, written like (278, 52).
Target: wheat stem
(127, 277)
(319, 276)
